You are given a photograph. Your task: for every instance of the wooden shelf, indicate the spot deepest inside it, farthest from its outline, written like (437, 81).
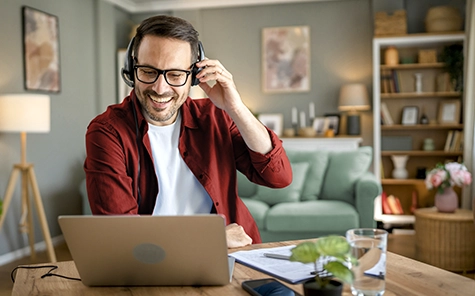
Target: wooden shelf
(400, 127)
(448, 94)
(422, 153)
(401, 77)
(402, 181)
(413, 66)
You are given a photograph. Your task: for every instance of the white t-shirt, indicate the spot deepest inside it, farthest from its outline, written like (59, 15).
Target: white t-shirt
(179, 192)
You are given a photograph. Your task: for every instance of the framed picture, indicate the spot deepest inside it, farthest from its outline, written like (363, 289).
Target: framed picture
(273, 121)
(449, 112)
(286, 59)
(410, 115)
(332, 121)
(41, 51)
(319, 125)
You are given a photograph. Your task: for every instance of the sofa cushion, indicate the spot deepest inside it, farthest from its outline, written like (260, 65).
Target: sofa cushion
(245, 187)
(258, 210)
(290, 193)
(344, 168)
(317, 161)
(315, 215)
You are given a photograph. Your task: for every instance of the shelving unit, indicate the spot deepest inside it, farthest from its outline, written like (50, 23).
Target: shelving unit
(426, 101)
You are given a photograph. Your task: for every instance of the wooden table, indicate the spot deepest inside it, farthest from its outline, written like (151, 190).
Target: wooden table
(445, 240)
(404, 277)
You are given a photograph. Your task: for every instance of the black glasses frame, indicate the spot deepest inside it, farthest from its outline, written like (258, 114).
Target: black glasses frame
(162, 72)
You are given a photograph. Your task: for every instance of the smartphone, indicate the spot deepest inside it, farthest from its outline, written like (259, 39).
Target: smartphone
(267, 287)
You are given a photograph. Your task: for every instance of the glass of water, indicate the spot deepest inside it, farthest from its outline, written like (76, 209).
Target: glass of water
(369, 247)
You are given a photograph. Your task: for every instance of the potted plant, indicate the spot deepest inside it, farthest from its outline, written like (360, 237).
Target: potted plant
(452, 56)
(337, 251)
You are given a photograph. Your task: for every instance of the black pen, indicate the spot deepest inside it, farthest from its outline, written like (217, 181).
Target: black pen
(277, 256)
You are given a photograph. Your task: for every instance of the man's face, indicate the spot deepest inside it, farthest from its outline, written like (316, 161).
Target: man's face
(160, 101)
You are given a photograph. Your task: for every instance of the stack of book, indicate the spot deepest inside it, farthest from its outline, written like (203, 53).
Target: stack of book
(391, 205)
(390, 81)
(454, 141)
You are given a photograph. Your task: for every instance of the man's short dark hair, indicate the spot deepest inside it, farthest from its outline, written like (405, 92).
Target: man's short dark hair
(168, 27)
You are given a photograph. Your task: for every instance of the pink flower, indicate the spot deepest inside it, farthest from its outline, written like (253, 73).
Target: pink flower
(448, 175)
(436, 178)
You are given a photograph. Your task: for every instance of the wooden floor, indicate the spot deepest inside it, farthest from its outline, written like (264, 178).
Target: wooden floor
(399, 244)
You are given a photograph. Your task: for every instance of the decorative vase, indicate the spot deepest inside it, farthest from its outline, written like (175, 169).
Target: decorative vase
(418, 82)
(312, 288)
(399, 162)
(447, 201)
(391, 56)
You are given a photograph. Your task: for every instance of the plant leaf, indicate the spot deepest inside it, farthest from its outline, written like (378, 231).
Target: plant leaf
(333, 245)
(305, 252)
(340, 271)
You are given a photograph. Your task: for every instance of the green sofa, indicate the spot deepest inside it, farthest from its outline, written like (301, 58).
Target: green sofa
(331, 192)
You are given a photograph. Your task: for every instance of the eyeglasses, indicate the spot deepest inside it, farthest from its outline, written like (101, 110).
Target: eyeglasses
(173, 77)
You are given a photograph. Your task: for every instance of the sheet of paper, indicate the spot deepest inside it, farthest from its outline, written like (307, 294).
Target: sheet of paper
(289, 271)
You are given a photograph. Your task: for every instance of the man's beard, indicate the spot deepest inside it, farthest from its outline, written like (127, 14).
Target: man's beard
(157, 114)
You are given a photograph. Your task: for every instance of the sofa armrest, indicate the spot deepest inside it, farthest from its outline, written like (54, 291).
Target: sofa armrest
(367, 189)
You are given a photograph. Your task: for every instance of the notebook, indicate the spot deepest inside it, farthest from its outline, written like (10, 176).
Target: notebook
(148, 250)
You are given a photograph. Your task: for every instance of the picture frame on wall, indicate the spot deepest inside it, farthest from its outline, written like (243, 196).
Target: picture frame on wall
(410, 115)
(286, 59)
(41, 51)
(273, 121)
(449, 112)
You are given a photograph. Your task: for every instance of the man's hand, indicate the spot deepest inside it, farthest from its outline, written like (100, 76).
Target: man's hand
(225, 96)
(236, 236)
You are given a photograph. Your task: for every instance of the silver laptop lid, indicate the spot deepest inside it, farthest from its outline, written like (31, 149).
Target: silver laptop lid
(148, 250)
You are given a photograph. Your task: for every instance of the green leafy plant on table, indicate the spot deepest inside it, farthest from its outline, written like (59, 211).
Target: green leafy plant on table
(335, 248)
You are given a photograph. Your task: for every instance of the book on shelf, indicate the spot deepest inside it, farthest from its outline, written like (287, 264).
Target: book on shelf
(391, 204)
(387, 119)
(454, 141)
(384, 202)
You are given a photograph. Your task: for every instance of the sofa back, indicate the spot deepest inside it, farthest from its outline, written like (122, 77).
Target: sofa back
(329, 175)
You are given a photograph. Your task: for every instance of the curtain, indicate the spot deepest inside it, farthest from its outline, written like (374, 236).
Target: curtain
(468, 199)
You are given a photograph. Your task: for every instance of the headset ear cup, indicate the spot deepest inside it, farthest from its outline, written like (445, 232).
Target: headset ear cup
(128, 69)
(196, 70)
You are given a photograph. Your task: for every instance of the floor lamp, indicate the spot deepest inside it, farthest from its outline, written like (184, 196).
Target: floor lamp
(26, 113)
(353, 98)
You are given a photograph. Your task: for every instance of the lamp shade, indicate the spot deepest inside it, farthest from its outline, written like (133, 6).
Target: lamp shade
(25, 113)
(353, 97)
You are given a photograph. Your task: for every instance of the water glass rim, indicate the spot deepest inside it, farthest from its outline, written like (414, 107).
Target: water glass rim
(366, 231)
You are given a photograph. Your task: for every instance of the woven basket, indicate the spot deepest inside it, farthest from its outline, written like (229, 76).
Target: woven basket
(443, 19)
(387, 25)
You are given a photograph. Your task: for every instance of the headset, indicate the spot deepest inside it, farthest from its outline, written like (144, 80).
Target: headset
(127, 71)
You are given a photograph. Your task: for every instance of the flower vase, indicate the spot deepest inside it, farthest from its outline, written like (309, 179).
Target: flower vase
(447, 201)
(399, 162)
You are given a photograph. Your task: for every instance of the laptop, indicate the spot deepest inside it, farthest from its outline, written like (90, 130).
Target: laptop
(149, 250)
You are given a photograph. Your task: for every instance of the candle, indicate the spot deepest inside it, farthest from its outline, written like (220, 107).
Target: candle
(311, 112)
(294, 116)
(302, 120)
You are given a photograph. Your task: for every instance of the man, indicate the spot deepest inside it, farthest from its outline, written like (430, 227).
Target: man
(160, 152)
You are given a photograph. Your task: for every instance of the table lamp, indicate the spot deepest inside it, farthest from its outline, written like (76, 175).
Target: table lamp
(26, 113)
(353, 98)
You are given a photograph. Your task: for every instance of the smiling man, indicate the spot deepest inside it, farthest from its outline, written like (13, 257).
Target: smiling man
(161, 153)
